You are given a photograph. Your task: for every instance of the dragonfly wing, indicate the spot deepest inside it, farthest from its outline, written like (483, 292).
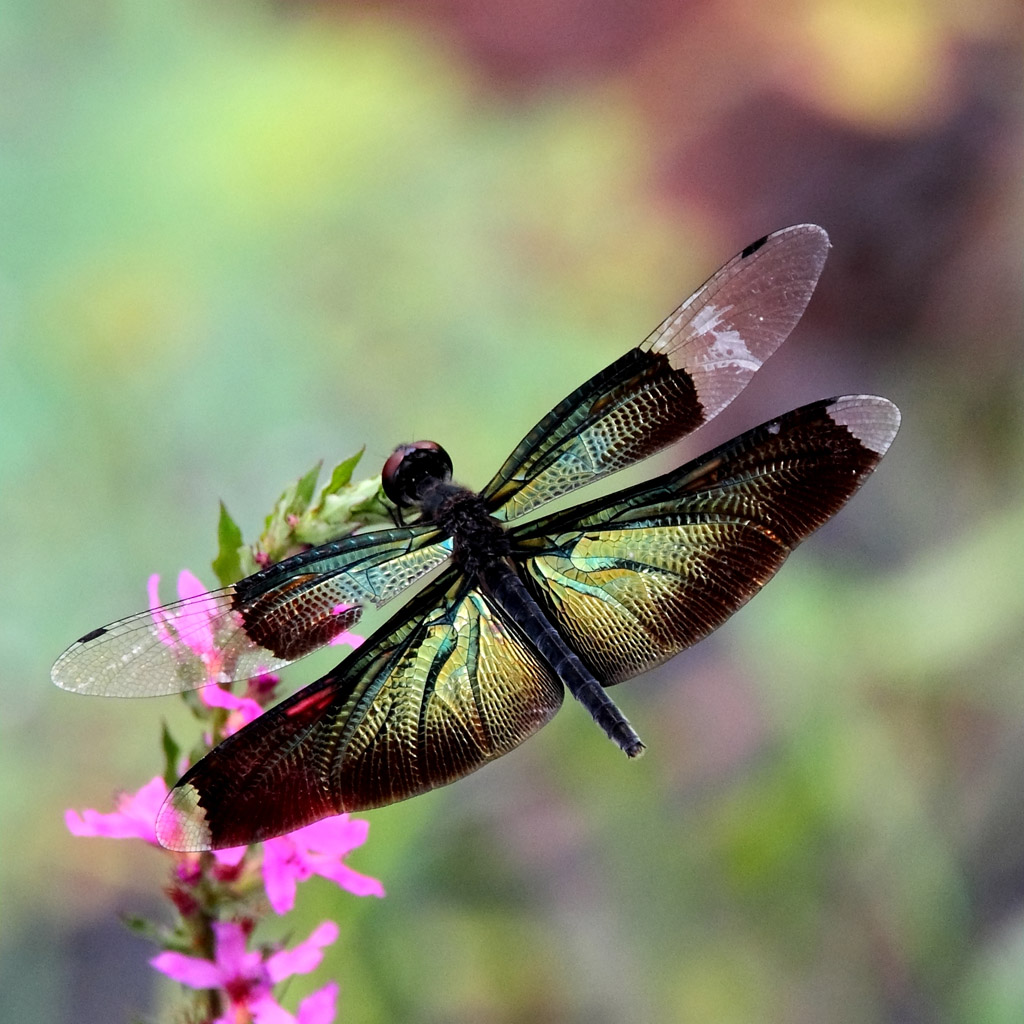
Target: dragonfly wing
(259, 624)
(162, 650)
(446, 686)
(634, 578)
(686, 371)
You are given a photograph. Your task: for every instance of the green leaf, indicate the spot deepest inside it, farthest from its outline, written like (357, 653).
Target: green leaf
(228, 564)
(341, 475)
(294, 500)
(371, 505)
(355, 506)
(172, 751)
(278, 535)
(143, 928)
(304, 490)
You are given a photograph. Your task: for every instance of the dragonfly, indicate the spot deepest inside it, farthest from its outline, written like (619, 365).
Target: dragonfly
(512, 610)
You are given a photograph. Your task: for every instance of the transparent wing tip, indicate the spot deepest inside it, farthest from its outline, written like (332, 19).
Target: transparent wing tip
(67, 677)
(181, 824)
(872, 420)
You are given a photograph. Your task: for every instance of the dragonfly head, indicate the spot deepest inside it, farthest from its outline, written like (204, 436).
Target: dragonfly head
(413, 469)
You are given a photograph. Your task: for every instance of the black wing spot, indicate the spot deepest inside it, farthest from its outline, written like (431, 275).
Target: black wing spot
(92, 636)
(753, 247)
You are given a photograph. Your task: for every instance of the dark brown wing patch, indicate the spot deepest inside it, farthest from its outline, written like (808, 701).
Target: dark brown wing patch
(634, 578)
(686, 371)
(259, 624)
(452, 686)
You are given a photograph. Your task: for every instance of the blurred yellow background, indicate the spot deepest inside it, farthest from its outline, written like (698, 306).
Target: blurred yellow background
(237, 238)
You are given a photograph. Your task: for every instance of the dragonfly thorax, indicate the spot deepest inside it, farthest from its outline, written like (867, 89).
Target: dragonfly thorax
(479, 540)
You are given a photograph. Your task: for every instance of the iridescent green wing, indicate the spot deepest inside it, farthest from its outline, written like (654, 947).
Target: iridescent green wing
(688, 370)
(634, 578)
(256, 625)
(444, 687)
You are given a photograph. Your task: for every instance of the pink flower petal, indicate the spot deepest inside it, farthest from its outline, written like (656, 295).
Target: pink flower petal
(335, 836)
(319, 1007)
(189, 970)
(315, 849)
(229, 947)
(218, 697)
(351, 880)
(305, 957)
(189, 621)
(134, 818)
(200, 632)
(230, 856)
(159, 617)
(106, 826)
(243, 709)
(279, 876)
(265, 1010)
(191, 587)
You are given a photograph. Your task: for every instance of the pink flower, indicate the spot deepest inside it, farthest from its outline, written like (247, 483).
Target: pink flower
(241, 710)
(317, 849)
(190, 622)
(317, 1008)
(247, 977)
(134, 818)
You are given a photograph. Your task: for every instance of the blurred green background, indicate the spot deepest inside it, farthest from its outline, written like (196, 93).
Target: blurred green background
(237, 238)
